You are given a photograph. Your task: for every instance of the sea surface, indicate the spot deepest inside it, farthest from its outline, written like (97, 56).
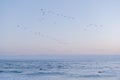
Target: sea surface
(59, 69)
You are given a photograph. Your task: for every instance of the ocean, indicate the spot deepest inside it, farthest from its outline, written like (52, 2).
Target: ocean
(60, 69)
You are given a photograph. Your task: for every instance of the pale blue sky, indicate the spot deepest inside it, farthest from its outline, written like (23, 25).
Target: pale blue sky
(59, 27)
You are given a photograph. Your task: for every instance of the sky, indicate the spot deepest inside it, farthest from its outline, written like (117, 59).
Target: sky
(59, 27)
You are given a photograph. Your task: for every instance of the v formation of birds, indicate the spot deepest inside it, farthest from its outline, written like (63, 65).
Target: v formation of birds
(46, 12)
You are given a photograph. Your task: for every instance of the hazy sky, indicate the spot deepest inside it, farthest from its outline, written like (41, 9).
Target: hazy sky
(59, 27)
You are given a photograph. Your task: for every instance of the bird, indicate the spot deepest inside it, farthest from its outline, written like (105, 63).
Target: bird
(18, 25)
(101, 25)
(43, 12)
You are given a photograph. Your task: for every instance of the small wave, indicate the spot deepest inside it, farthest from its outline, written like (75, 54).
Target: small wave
(13, 71)
(1, 71)
(93, 76)
(46, 73)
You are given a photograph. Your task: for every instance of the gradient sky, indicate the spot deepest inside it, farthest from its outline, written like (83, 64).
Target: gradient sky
(59, 27)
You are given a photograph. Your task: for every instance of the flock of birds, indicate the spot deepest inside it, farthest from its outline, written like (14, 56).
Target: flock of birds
(53, 17)
(92, 26)
(41, 34)
(46, 12)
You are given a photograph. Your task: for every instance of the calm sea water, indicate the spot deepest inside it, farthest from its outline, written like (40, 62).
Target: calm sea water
(53, 69)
